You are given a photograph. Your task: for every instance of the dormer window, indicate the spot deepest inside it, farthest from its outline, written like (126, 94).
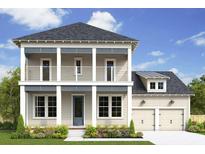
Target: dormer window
(152, 85)
(160, 85)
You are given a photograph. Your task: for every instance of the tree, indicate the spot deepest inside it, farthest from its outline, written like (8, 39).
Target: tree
(198, 101)
(10, 96)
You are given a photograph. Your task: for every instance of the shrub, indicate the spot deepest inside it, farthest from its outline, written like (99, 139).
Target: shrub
(7, 126)
(194, 128)
(62, 129)
(24, 135)
(139, 134)
(90, 131)
(20, 125)
(132, 128)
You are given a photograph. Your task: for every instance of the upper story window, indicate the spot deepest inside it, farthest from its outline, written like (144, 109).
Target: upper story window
(152, 85)
(45, 69)
(160, 85)
(78, 66)
(110, 70)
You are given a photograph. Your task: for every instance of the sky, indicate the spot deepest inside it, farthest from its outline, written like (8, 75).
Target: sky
(169, 39)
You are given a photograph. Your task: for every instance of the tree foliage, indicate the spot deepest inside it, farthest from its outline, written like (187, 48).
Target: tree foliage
(10, 96)
(198, 101)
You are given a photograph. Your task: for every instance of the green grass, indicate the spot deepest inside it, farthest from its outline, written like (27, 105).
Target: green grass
(6, 140)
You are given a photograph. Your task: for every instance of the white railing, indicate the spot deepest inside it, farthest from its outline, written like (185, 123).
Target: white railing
(76, 73)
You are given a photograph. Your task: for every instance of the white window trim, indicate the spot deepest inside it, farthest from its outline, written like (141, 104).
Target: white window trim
(46, 106)
(105, 70)
(156, 86)
(81, 68)
(110, 107)
(41, 68)
(73, 94)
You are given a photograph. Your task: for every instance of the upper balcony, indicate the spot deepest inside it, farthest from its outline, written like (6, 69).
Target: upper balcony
(76, 73)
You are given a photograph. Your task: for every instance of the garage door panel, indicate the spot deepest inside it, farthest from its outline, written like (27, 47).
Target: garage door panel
(143, 119)
(171, 119)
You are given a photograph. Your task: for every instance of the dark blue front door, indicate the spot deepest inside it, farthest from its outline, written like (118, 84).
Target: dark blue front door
(78, 110)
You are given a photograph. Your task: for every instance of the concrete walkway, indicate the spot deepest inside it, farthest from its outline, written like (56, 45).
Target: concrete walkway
(174, 138)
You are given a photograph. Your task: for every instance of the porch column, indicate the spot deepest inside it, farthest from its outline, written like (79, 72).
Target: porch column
(58, 64)
(129, 104)
(129, 58)
(94, 122)
(23, 63)
(94, 64)
(59, 105)
(23, 103)
(156, 119)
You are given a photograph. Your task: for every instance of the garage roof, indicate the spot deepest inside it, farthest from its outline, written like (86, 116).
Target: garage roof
(151, 75)
(174, 84)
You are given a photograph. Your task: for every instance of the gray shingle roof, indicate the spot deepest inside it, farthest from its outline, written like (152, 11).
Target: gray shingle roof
(174, 84)
(151, 75)
(76, 31)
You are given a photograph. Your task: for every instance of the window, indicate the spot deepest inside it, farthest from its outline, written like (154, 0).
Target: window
(45, 106)
(116, 106)
(110, 107)
(78, 66)
(51, 106)
(110, 70)
(45, 69)
(103, 106)
(152, 85)
(39, 106)
(160, 85)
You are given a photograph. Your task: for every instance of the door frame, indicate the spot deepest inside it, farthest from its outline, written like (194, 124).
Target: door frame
(105, 71)
(73, 106)
(157, 116)
(50, 68)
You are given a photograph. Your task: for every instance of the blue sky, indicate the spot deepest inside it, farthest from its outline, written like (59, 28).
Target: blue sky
(170, 39)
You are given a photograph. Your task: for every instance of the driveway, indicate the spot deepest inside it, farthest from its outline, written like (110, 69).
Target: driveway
(174, 138)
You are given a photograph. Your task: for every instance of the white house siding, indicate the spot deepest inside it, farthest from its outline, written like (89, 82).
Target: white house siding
(115, 121)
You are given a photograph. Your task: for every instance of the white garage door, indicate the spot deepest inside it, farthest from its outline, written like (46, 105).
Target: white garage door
(171, 119)
(143, 119)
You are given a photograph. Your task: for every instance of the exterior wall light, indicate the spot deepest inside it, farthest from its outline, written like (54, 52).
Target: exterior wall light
(142, 102)
(171, 102)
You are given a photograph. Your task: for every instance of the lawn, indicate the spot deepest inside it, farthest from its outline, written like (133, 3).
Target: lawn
(6, 140)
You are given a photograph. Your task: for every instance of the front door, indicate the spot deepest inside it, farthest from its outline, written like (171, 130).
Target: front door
(78, 110)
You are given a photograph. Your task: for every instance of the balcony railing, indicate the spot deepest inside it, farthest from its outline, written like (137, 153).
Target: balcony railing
(77, 73)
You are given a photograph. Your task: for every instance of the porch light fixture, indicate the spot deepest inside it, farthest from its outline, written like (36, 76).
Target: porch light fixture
(171, 102)
(142, 102)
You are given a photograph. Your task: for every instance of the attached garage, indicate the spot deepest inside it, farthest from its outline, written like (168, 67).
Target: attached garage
(144, 119)
(171, 119)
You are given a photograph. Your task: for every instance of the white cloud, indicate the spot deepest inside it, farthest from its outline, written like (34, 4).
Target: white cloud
(36, 18)
(104, 20)
(4, 70)
(186, 78)
(197, 39)
(148, 64)
(156, 53)
(8, 45)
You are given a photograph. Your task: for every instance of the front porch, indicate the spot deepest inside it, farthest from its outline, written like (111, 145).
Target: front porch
(75, 106)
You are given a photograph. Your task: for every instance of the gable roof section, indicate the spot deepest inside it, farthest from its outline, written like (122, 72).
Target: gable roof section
(174, 85)
(76, 32)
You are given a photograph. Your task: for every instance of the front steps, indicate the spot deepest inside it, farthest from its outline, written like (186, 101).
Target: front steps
(75, 135)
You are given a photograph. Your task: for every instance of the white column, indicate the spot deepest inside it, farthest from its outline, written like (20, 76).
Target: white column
(23, 102)
(129, 59)
(59, 104)
(94, 64)
(22, 63)
(94, 113)
(129, 104)
(58, 64)
(156, 113)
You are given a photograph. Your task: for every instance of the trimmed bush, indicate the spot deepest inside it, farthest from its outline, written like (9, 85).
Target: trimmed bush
(20, 125)
(132, 128)
(90, 131)
(194, 129)
(7, 126)
(139, 134)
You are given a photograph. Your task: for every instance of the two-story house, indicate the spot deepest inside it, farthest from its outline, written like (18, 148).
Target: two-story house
(81, 75)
